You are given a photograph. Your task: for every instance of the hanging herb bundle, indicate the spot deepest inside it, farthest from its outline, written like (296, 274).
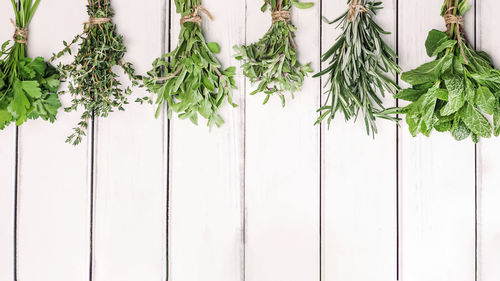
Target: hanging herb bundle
(360, 61)
(192, 82)
(28, 87)
(457, 90)
(93, 84)
(272, 61)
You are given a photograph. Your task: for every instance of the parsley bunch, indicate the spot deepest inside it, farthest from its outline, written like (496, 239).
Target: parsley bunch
(272, 61)
(192, 82)
(458, 90)
(28, 87)
(359, 63)
(93, 84)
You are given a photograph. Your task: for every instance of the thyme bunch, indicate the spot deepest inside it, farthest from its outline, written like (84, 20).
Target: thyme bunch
(272, 61)
(192, 82)
(93, 83)
(359, 63)
(28, 87)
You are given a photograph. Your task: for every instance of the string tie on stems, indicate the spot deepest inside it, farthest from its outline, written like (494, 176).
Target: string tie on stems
(354, 8)
(281, 16)
(458, 21)
(195, 15)
(20, 34)
(98, 21)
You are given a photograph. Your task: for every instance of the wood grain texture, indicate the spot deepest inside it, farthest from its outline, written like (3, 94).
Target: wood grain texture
(205, 231)
(53, 218)
(359, 181)
(130, 178)
(437, 181)
(488, 159)
(7, 173)
(282, 165)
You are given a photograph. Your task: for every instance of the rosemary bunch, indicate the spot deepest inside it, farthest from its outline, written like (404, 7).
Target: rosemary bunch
(359, 63)
(28, 87)
(93, 84)
(455, 92)
(192, 82)
(272, 61)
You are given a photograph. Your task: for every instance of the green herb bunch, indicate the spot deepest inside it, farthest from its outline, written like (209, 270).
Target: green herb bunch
(272, 61)
(360, 61)
(28, 87)
(93, 83)
(457, 91)
(192, 82)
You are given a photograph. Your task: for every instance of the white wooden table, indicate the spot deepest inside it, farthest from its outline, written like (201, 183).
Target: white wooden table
(267, 197)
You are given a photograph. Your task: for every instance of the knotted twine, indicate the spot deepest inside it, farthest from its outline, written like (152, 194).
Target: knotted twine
(450, 19)
(354, 7)
(98, 21)
(21, 34)
(195, 15)
(280, 15)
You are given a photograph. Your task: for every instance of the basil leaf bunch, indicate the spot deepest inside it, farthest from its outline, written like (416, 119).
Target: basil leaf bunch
(272, 61)
(28, 87)
(359, 64)
(192, 82)
(93, 83)
(456, 92)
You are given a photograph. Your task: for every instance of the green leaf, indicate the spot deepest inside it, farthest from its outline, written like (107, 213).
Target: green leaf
(485, 100)
(214, 47)
(459, 130)
(437, 41)
(302, 5)
(32, 88)
(20, 103)
(476, 122)
(456, 98)
(410, 94)
(5, 117)
(427, 73)
(496, 122)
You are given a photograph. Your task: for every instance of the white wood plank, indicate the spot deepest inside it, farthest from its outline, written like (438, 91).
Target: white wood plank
(7, 172)
(282, 166)
(205, 231)
(437, 175)
(130, 172)
(488, 162)
(359, 175)
(53, 219)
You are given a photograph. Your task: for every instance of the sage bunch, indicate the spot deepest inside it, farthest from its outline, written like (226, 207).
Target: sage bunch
(191, 82)
(93, 83)
(459, 91)
(272, 61)
(28, 87)
(360, 63)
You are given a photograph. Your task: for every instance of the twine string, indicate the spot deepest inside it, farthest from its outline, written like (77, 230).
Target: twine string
(281, 16)
(98, 21)
(20, 34)
(354, 8)
(195, 15)
(451, 19)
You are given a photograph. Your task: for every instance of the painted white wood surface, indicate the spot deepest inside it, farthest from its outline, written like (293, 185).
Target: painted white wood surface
(359, 182)
(130, 179)
(245, 199)
(7, 172)
(488, 159)
(53, 210)
(437, 180)
(282, 166)
(206, 172)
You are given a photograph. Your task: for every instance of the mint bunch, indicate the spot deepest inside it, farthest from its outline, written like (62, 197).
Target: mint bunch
(459, 90)
(28, 87)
